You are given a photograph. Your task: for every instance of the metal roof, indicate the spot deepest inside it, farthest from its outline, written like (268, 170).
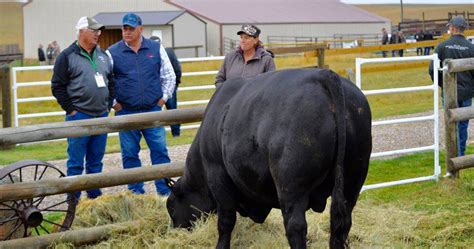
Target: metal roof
(148, 17)
(277, 11)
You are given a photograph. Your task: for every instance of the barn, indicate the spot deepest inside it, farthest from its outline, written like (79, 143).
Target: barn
(53, 20)
(209, 25)
(282, 20)
(178, 29)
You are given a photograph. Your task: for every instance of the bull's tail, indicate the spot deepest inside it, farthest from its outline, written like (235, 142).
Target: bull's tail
(341, 220)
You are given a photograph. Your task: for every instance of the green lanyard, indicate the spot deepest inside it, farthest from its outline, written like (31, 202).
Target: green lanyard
(88, 57)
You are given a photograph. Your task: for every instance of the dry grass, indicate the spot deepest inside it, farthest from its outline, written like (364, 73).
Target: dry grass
(403, 223)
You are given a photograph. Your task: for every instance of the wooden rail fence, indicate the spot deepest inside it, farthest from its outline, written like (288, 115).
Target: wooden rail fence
(454, 114)
(25, 190)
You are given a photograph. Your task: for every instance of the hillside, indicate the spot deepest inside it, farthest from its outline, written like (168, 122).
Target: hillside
(415, 11)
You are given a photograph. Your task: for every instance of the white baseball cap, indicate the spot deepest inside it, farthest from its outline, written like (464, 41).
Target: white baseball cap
(86, 22)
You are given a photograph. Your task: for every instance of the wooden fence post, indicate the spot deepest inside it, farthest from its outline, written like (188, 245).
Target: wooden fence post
(6, 99)
(321, 58)
(450, 101)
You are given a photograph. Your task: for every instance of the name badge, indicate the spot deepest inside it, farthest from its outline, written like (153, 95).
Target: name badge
(99, 80)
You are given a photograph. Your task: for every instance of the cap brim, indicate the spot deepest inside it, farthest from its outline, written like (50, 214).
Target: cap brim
(243, 32)
(134, 25)
(97, 26)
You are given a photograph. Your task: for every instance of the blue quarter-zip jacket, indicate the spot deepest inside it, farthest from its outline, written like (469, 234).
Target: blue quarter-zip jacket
(137, 75)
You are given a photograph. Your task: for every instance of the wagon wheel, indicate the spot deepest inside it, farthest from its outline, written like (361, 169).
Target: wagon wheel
(21, 218)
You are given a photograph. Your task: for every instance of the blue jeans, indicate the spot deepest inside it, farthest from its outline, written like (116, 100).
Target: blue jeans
(462, 129)
(171, 104)
(92, 148)
(130, 147)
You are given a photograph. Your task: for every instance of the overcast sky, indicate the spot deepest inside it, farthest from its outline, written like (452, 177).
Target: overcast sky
(409, 1)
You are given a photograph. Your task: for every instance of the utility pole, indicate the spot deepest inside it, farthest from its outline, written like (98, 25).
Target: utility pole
(401, 14)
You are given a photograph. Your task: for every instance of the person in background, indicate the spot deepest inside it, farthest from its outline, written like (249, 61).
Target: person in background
(384, 40)
(172, 102)
(249, 60)
(49, 54)
(458, 47)
(428, 36)
(56, 50)
(141, 87)
(401, 39)
(394, 40)
(83, 85)
(419, 38)
(41, 56)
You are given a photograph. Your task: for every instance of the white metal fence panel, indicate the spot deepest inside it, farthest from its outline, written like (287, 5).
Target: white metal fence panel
(17, 85)
(433, 87)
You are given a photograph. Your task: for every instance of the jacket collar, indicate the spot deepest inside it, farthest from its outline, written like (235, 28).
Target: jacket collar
(145, 44)
(259, 53)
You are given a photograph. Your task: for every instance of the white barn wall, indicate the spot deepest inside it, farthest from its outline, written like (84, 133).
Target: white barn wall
(213, 38)
(48, 20)
(188, 31)
(166, 32)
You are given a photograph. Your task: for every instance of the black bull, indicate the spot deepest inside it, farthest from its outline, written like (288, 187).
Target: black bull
(287, 139)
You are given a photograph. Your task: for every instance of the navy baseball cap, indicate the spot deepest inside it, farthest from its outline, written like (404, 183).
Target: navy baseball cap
(457, 21)
(132, 20)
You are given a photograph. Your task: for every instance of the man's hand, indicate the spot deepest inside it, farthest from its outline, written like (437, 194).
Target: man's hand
(73, 113)
(117, 107)
(161, 102)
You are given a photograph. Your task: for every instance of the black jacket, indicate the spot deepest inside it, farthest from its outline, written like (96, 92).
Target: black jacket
(175, 63)
(457, 47)
(41, 56)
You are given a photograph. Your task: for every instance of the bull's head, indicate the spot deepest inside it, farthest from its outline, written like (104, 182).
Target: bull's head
(188, 205)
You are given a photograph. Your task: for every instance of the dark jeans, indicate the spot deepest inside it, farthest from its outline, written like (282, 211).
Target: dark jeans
(427, 51)
(171, 104)
(92, 148)
(419, 51)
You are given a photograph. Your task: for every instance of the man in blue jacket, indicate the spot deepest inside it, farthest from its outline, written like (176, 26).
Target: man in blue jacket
(83, 85)
(145, 80)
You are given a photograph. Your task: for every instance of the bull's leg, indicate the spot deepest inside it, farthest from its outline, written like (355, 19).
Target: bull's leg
(294, 218)
(225, 224)
(225, 195)
(341, 222)
(343, 205)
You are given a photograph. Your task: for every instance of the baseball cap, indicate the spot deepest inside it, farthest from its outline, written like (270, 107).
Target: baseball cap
(457, 21)
(132, 20)
(249, 29)
(86, 22)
